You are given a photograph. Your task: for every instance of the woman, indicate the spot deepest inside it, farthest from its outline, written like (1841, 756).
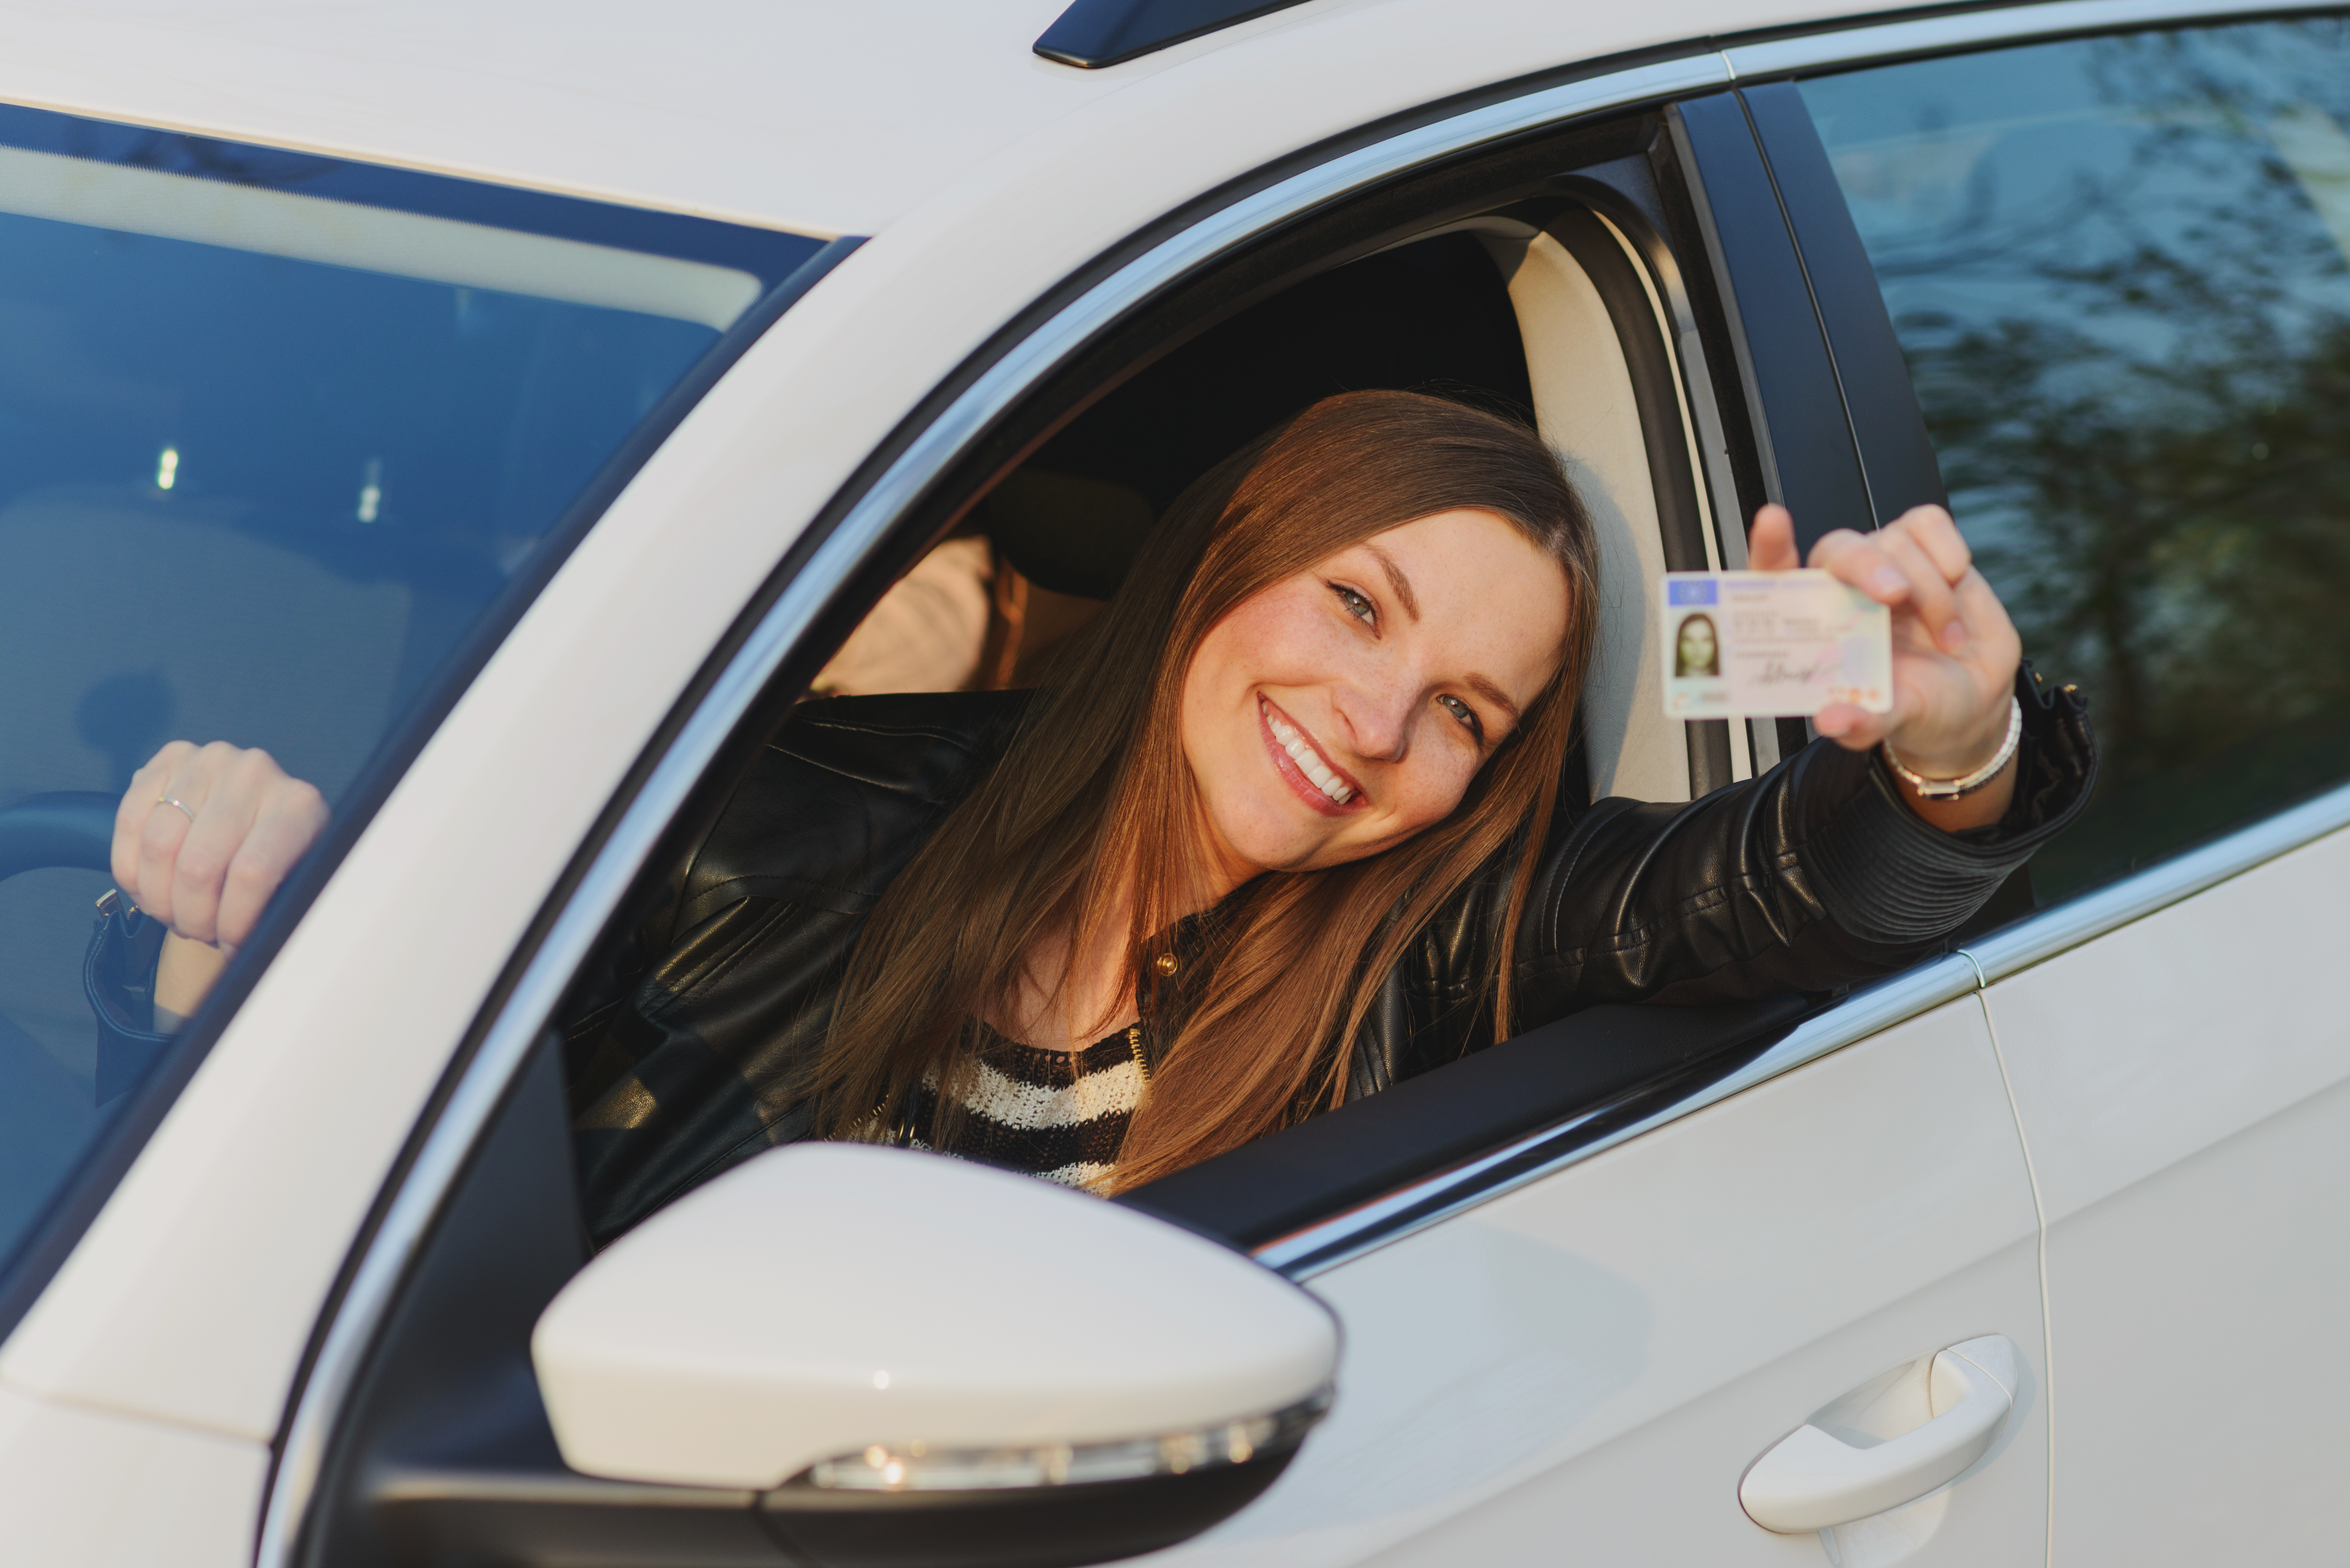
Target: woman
(1290, 829)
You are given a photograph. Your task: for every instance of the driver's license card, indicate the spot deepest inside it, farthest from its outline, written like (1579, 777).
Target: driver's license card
(1741, 644)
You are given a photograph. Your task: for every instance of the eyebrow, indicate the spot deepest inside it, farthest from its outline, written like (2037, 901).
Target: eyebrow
(1402, 586)
(1397, 580)
(1496, 696)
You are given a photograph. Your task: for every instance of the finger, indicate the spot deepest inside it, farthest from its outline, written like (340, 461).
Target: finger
(210, 846)
(283, 832)
(1855, 728)
(1986, 616)
(159, 849)
(1930, 591)
(188, 782)
(1771, 543)
(1932, 530)
(122, 849)
(1861, 561)
(131, 814)
(240, 784)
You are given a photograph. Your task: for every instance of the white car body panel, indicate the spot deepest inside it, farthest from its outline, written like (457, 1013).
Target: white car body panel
(820, 117)
(89, 1489)
(1585, 1367)
(2181, 1086)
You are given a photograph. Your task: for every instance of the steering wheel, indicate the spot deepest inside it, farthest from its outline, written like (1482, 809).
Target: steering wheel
(76, 827)
(65, 827)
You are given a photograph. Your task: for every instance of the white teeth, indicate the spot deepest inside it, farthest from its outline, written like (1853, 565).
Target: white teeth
(1308, 761)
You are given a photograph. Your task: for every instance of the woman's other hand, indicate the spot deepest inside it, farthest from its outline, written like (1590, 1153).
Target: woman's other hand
(1955, 651)
(203, 836)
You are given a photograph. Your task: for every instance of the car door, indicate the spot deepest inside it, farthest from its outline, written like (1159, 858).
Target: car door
(1590, 1360)
(1591, 1279)
(2118, 266)
(1580, 1342)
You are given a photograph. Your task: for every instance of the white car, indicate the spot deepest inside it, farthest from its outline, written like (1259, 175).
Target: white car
(502, 412)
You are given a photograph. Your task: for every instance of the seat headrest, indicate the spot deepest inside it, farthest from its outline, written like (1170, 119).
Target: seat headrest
(1069, 533)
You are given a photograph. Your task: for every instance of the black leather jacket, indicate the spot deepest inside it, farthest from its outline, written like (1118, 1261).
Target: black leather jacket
(1813, 876)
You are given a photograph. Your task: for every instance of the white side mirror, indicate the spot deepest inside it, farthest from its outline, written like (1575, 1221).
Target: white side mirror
(836, 1324)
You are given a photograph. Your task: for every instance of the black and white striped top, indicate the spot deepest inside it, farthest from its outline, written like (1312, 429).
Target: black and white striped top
(1059, 1115)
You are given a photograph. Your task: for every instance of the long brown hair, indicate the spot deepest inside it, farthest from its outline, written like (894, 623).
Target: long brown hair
(1093, 799)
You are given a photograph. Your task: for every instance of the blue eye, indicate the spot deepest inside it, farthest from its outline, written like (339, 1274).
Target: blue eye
(1357, 606)
(1466, 714)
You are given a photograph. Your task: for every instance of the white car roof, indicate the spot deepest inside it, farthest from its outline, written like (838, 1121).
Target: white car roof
(824, 116)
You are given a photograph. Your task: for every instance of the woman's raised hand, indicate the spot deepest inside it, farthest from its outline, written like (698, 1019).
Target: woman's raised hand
(1955, 651)
(205, 833)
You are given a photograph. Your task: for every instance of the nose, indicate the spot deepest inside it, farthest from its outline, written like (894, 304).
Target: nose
(1374, 711)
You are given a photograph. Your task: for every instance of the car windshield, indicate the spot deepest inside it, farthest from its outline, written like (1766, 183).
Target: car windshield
(284, 441)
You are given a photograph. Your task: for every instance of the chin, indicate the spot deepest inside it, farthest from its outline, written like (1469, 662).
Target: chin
(1291, 854)
(1266, 843)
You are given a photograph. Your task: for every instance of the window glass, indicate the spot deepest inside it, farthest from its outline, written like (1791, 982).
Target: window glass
(2117, 266)
(277, 433)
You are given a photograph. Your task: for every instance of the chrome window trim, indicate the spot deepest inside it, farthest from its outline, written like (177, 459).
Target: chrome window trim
(1395, 1215)
(1976, 967)
(507, 1043)
(2093, 914)
(1979, 29)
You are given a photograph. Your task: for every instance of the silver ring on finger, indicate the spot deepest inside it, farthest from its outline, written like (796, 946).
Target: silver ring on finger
(176, 803)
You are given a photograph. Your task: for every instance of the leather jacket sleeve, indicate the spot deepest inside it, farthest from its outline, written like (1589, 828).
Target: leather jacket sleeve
(683, 1046)
(1813, 876)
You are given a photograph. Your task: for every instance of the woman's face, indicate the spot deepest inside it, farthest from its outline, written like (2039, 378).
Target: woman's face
(1341, 710)
(1697, 644)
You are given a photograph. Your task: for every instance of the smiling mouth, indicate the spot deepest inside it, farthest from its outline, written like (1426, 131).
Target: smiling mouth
(1331, 790)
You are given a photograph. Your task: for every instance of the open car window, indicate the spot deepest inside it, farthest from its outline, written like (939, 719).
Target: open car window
(1559, 312)
(285, 443)
(1518, 316)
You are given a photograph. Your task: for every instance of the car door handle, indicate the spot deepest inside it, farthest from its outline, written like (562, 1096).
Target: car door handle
(1811, 1481)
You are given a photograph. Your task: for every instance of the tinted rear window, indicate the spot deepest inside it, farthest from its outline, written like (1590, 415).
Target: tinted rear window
(2120, 268)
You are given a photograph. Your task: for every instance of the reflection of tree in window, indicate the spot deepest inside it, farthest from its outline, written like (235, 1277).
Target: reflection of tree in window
(2118, 269)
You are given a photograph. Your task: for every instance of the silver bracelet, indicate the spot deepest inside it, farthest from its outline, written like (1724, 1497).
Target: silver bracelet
(1950, 789)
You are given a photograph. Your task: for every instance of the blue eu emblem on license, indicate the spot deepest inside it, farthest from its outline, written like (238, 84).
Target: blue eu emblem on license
(1695, 591)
